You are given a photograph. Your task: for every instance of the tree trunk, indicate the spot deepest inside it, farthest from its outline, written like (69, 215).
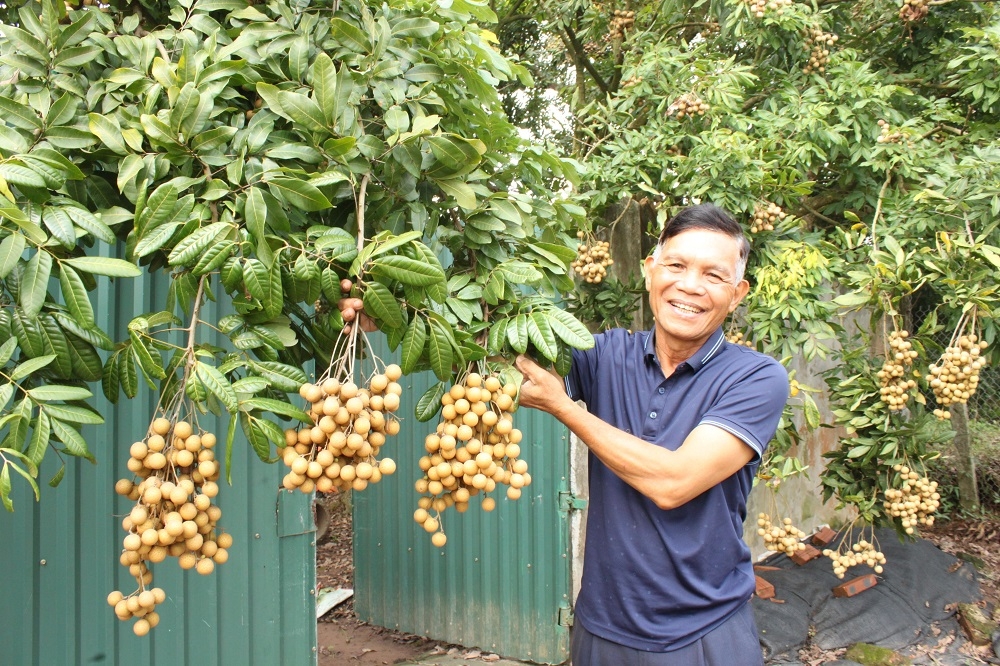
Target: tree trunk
(968, 491)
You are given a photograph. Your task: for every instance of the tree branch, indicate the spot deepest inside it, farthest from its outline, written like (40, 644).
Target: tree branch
(581, 56)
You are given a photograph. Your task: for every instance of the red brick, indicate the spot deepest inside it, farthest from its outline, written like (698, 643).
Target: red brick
(855, 586)
(808, 553)
(765, 590)
(824, 537)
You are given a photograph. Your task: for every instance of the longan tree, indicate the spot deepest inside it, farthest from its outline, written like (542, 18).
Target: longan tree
(258, 155)
(857, 143)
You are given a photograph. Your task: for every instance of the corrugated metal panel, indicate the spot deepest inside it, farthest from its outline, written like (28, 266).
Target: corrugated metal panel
(503, 577)
(60, 555)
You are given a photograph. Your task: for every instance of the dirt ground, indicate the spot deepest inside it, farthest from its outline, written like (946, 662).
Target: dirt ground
(343, 640)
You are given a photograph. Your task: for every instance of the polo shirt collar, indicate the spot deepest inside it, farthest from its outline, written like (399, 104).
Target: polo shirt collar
(705, 353)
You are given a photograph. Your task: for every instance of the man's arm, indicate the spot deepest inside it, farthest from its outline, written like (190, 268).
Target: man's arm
(708, 455)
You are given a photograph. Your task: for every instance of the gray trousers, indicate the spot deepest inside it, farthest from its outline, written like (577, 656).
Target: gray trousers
(733, 643)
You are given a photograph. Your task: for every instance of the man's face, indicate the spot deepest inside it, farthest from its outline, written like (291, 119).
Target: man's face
(692, 286)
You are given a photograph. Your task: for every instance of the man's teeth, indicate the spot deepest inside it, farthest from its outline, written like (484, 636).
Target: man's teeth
(686, 308)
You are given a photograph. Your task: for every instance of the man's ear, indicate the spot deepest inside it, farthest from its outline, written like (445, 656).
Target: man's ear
(742, 289)
(647, 266)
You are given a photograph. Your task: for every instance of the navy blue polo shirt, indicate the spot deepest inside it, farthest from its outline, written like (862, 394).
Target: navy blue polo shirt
(655, 579)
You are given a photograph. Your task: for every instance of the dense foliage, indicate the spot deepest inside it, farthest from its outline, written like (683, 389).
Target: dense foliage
(871, 125)
(259, 154)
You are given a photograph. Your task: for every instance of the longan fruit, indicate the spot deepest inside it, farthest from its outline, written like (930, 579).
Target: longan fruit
(161, 426)
(141, 627)
(393, 372)
(439, 539)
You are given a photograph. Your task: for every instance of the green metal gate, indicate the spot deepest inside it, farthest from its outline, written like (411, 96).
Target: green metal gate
(60, 555)
(502, 582)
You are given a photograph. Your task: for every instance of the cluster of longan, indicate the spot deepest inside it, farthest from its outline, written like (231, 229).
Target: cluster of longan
(955, 376)
(631, 81)
(592, 259)
(621, 21)
(760, 7)
(350, 425)
(736, 337)
(914, 10)
(688, 104)
(819, 43)
(915, 501)
(888, 135)
(173, 515)
(862, 552)
(764, 216)
(474, 447)
(783, 538)
(895, 384)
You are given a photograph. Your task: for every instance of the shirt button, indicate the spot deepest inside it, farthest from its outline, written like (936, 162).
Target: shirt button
(662, 390)
(652, 415)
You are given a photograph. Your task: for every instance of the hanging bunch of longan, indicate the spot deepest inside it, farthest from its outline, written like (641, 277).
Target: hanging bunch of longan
(914, 501)
(735, 336)
(955, 376)
(765, 216)
(350, 424)
(861, 552)
(173, 516)
(474, 448)
(621, 22)
(894, 377)
(889, 135)
(593, 257)
(760, 8)
(914, 10)
(819, 44)
(688, 104)
(783, 538)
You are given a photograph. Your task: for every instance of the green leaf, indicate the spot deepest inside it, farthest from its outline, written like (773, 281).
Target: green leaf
(104, 266)
(6, 352)
(347, 35)
(58, 392)
(39, 441)
(418, 27)
(458, 189)
(35, 282)
(217, 383)
(73, 414)
(26, 42)
(541, 335)
(76, 445)
(519, 272)
(19, 115)
(497, 339)
(408, 271)
(255, 214)
(414, 341)
(429, 404)
(276, 407)
(852, 299)
(303, 111)
(517, 333)
(281, 376)
(76, 297)
(258, 439)
(11, 249)
(108, 131)
(298, 193)
(440, 350)
(149, 361)
(569, 329)
(382, 305)
(194, 245)
(29, 366)
(5, 486)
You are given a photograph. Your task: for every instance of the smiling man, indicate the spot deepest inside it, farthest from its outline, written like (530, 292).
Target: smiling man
(676, 421)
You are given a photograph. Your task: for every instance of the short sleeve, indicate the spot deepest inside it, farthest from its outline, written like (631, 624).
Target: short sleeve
(751, 408)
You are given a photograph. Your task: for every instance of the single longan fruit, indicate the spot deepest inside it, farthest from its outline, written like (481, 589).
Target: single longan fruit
(439, 539)
(183, 430)
(489, 504)
(161, 426)
(114, 598)
(141, 627)
(205, 566)
(393, 372)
